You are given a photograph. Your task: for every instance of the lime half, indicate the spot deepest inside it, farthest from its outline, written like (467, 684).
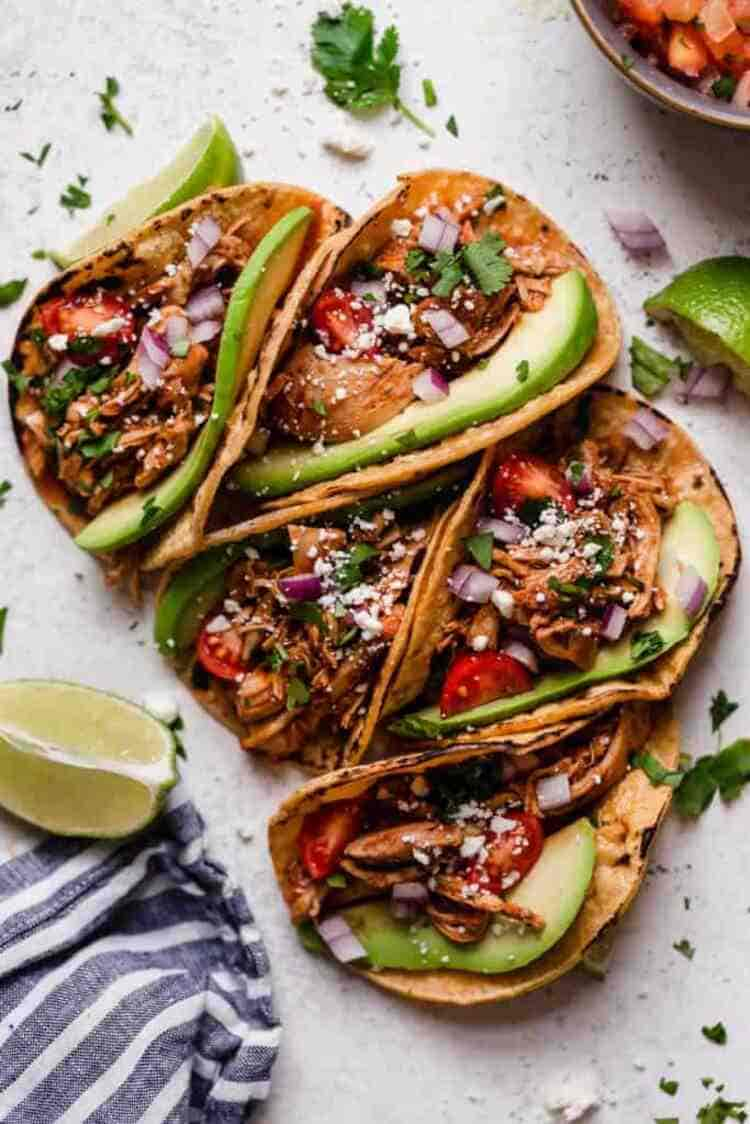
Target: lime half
(208, 160)
(710, 305)
(81, 762)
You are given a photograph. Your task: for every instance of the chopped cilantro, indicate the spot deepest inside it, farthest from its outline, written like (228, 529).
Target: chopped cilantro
(110, 114)
(570, 591)
(655, 771)
(150, 512)
(575, 472)
(450, 271)
(454, 785)
(360, 74)
(452, 126)
(74, 197)
(277, 657)
(644, 645)
(716, 1033)
(5, 487)
(627, 61)
(720, 1111)
(685, 948)
(347, 637)
(697, 789)
(723, 88)
(605, 555)
(530, 511)
(418, 264)
(3, 618)
(85, 345)
(522, 370)
(720, 710)
(730, 768)
(486, 263)
(669, 1087)
(320, 408)
(18, 381)
(428, 89)
(649, 369)
(107, 480)
(666, 1120)
(100, 446)
(336, 881)
(297, 694)
(308, 612)
(480, 548)
(40, 255)
(11, 291)
(56, 399)
(98, 386)
(349, 573)
(37, 336)
(38, 160)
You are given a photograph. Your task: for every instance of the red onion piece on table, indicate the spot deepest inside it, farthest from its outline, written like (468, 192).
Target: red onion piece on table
(469, 583)
(301, 587)
(613, 622)
(635, 231)
(205, 330)
(430, 386)
(553, 792)
(645, 429)
(374, 290)
(446, 327)
(523, 654)
(501, 531)
(205, 304)
(205, 235)
(691, 591)
(438, 234)
(338, 935)
(704, 383)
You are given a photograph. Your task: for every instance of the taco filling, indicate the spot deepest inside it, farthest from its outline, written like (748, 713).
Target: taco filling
(451, 850)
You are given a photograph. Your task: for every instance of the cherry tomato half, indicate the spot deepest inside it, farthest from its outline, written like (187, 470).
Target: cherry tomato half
(220, 653)
(326, 834)
(523, 476)
(478, 677)
(511, 854)
(78, 316)
(337, 317)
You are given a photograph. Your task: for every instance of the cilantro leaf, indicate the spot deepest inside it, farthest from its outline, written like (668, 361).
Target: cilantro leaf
(697, 789)
(277, 657)
(716, 1033)
(655, 771)
(721, 1111)
(99, 447)
(320, 408)
(336, 881)
(723, 88)
(721, 708)
(480, 548)
(605, 556)
(5, 487)
(685, 948)
(18, 381)
(452, 126)
(3, 618)
(38, 160)
(349, 573)
(428, 89)
(645, 645)
(669, 1087)
(297, 694)
(570, 591)
(484, 260)
(308, 612)
(74, 197)
(360, 74)
(110, 114)
(11, 291)
(418, 264)
(450, 271)
(730, 768)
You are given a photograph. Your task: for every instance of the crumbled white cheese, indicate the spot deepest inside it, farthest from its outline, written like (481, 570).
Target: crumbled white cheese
(398, 551)
(109, 327)
(572, 1095)
(58, 341)
(503, 601)
(401, 228)
(232, 606)
(162, 705)
(471, 846)
(218, 624)
(479, 643)
(494, 204)
(349, 145)
(340, 393)
(170, 269)
(500, 824)
(397, 320)
(628, 597)
(251, 553)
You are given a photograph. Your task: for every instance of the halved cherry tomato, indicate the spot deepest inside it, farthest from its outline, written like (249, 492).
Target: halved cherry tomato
(80, 315)
(644, 11)
(523, 476)
(511, 853)
(478, 677)
(220, 653)
(687, 51)
(338, 316)
(326, 834)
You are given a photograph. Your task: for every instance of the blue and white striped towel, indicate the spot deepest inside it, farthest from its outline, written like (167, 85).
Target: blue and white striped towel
(134, 985)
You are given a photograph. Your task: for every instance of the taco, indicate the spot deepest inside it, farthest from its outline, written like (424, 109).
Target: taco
(451, 315)
(291, 638)
(477, 874)
(592, 551)
(127, 366)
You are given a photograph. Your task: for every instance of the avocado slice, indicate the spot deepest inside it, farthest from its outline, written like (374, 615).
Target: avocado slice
(552, 341)
(689, 539)
(260, 285)
(555, 888)
(200, 583)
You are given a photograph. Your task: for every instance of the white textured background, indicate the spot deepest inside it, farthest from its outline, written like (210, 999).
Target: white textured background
(536, 107)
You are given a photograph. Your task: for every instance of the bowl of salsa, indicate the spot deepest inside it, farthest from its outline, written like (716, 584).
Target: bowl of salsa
(691, 55)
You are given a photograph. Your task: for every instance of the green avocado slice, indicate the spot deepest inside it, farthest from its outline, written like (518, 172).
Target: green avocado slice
(260, 285)
(552, 342)
(199, 584)
(689, 540)
(555, 888)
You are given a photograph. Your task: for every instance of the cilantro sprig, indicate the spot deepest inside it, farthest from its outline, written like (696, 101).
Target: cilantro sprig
(716, 1033)
(11, 291)
(5, 487)
(361, 74)
(110, 114)
(484, 260)
(75, 197)
(40, 158)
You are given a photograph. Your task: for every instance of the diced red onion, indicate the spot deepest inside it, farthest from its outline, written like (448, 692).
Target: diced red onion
(205, 304)
(636, 231)
(691, 591)
(61, 371)
(523, 654)
(410, 892)
(205, 235)
(430, 386)
(613, 622)
(553, 792)
(177, 332)
(206, 330)
(501, 531)
(301, 587)
(438, 234)
(584, 486)
(375, 290)
(446, 327)
(645, 429)
(469, 583)
(741, 96)
(704, 383)
(151, 357)
(338, 935)
(155, 346)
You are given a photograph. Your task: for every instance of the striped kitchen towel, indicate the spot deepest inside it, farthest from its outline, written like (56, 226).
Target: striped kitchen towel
(134, 985)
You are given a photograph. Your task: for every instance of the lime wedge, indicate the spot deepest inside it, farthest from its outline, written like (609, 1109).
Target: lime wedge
(208, 160)
(76, 761)
(710, 305)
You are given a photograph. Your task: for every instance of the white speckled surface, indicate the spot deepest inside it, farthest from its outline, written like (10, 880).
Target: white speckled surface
(536, 107)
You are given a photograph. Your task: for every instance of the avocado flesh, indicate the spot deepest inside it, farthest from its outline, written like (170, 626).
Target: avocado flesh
(689, 539)
(553, 341)
(200, 583)
(255, 294)
(554, 888)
